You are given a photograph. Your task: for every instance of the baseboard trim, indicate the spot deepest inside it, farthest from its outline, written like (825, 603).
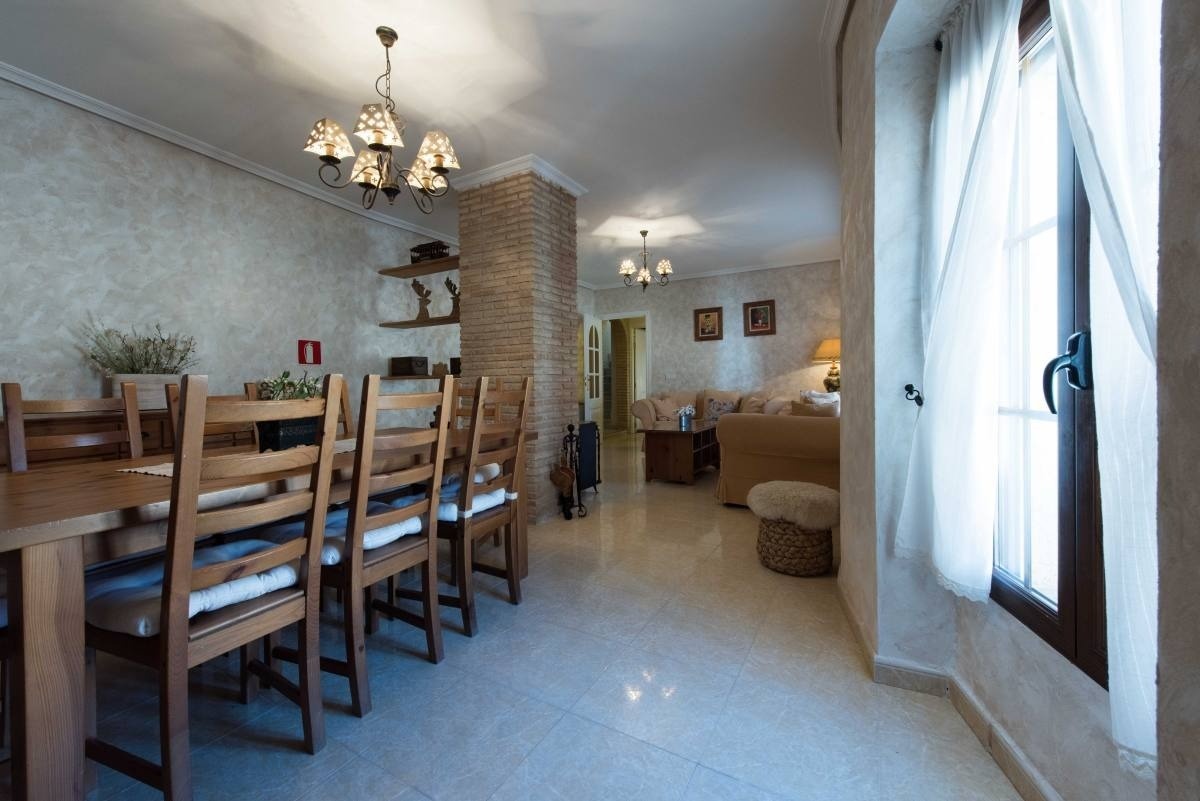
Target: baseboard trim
(910, 676)
(1029, 782)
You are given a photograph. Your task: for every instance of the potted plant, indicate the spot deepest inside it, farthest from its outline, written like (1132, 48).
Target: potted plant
(278, 435)
(149, 360)
(686, 413)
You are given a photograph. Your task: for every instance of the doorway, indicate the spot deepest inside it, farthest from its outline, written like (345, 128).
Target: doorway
(625, 368)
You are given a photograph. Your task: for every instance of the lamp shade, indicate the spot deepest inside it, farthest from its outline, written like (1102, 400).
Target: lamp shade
(421, 177)
(366, 168)
(437, 152)
(328, 140)
(627, 267)
(379, 127)
(830, 350)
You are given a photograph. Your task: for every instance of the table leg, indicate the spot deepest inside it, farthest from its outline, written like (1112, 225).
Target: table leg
(46, 594)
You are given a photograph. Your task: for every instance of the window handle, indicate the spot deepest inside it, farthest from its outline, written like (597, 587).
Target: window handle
(1077, 361)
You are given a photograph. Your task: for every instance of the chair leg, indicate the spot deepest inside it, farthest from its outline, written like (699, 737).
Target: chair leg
(511, 568)
(354, 635)
(173, 732)
(432, 612)
(466, 588)
(309, 662)
(455, 559)
(371, 624)
(249, 681)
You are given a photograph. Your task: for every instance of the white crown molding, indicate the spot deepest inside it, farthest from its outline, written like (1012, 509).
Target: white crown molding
(718, 273)
(28, 80)
(528, 163)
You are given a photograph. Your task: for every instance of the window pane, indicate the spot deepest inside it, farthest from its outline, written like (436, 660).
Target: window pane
(1027, 517)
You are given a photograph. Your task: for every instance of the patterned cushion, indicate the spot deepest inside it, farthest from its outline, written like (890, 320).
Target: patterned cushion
(715, 408)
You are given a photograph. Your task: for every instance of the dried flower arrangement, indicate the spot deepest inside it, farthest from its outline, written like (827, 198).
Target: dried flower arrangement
(123, 353)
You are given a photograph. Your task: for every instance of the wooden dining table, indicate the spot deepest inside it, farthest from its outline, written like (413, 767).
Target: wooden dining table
(54, 521)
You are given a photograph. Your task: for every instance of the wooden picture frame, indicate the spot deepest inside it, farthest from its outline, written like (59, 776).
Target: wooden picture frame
(758, 318)
(708, 325)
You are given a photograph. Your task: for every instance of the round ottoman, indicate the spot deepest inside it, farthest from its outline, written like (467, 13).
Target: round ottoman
(794, 527)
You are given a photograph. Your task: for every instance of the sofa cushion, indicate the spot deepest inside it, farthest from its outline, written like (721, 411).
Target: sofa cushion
(752, 404)
(664, 409)
(714, 408)
(778, 406)
(129, 600)
(802, 408)
(719, 395)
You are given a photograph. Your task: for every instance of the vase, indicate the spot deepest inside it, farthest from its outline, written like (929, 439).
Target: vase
(151, 392)
(685, 422)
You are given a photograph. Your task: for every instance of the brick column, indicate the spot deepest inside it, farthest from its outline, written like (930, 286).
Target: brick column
(519, 316)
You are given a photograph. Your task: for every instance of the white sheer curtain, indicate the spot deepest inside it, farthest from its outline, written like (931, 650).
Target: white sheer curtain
(949, 505)
(1109, 72)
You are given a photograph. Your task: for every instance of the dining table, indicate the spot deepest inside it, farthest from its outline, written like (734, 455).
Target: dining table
(54, 522)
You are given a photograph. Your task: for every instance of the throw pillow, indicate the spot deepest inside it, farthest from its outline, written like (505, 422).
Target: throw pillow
(778, 406)
(803, 408)
(718, 395)
(752, 404)
(664, 409)
(716, 408)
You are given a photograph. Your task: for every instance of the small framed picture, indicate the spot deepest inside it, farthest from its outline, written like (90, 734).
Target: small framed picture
(709, 324)
(759, 318)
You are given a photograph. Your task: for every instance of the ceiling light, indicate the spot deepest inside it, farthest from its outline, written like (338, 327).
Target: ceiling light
(381, 128)
(630, 272)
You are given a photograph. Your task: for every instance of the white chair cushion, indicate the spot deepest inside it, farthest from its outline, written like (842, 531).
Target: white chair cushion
(130, 600)
(335, 531)
(448, 510)
(483, 474)
(810, 506)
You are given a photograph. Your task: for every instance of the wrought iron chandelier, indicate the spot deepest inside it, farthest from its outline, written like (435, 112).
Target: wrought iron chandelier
(375, 168)
(630, 272)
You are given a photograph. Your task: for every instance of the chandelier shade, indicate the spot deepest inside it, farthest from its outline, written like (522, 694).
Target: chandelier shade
(664, 267)
(437, 152)
(378, 126)
(366, 169)
(422, 177)
(329, 141)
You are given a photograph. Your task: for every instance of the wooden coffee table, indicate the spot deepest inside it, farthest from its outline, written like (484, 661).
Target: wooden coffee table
(674, 454)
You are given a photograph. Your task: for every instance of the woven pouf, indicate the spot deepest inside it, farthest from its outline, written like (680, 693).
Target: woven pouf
(795, 526)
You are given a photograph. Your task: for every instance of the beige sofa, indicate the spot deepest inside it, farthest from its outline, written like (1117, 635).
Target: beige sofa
(761, 441)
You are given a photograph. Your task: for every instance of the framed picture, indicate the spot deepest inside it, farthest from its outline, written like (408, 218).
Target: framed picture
(759, 318)
(708, 324)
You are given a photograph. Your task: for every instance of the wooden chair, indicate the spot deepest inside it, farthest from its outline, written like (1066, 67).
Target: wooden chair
(496, 435)
(19, 446)
(181, 642)
(224, 433)
(405, 532)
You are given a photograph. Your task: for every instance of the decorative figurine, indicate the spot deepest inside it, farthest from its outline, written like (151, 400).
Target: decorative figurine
(455, 294)
(423, 295)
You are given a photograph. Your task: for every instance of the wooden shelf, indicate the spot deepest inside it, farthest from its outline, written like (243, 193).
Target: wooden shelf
(411, 378)
(432, 321)
(422, 268)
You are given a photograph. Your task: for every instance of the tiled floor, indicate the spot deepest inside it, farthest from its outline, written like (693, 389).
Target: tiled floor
(653, 658)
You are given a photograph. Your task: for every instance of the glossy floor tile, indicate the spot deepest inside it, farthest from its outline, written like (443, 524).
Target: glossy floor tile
(652, 658)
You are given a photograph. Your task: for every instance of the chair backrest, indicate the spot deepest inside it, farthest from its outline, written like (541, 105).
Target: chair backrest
(19, 445)
(192, 467)
(496, 435)
(228, 430)
(385, 461)
(345, 419)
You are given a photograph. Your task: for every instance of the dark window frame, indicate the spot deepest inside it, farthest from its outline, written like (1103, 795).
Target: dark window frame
(1077, 629)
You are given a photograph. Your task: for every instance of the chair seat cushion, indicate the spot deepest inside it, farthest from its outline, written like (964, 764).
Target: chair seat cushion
(129, 600)
(483, 474)
(448, 510)
(335, 531)
(810, 506)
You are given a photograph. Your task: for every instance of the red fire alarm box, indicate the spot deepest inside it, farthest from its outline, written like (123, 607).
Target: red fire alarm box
(309, 351)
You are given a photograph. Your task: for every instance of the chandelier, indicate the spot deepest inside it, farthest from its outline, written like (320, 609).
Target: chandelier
(381, 128)
(630, 272)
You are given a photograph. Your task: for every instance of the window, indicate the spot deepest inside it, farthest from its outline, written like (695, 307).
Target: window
(1048, 568)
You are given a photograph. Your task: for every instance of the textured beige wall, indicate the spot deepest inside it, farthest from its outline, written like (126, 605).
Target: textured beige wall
(1178, 411)
(806, 304)
(856, 575)
(124, 227)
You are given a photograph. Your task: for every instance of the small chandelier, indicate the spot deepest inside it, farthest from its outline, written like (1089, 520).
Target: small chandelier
(381, 128)
(630, 272)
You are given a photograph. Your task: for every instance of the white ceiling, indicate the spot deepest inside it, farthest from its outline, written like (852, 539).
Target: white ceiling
(665, 109)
